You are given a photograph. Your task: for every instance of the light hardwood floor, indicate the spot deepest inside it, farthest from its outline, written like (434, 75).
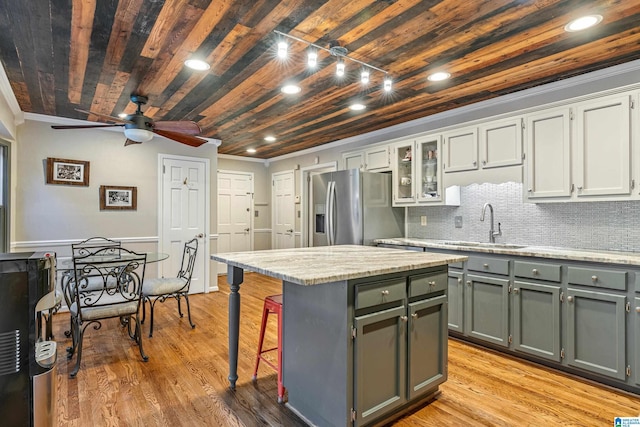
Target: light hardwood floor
(184, 383)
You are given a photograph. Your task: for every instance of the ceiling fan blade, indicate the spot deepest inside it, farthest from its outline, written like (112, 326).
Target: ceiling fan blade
(181, 126)
(181, 137)
(84, 126)
(104, 116)
(130, 142)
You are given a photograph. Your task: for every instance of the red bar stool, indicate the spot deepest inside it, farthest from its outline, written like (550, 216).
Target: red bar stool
(272, 304)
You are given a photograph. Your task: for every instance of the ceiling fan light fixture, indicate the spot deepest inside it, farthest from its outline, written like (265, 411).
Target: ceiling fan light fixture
(583, 23)
(439, 76)
(138, 135)
(197, 64)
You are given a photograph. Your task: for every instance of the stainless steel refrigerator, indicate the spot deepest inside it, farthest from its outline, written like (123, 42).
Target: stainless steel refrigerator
(354, 207)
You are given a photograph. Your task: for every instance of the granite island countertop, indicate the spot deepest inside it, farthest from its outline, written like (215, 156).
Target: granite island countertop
(316, 265)
(611, 257)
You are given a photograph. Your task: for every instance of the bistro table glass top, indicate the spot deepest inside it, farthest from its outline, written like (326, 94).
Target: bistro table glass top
(67, 263)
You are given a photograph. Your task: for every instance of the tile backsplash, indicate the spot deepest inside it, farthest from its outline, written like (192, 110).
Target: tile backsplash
(585, 225)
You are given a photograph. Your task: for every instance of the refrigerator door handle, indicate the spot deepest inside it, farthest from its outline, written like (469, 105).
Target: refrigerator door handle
(328, 223)
(332, 216)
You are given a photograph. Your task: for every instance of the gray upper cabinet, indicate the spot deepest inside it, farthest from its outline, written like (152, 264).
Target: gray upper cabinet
(487, 308)
(548, 144)
(596, 332)
(603, 147)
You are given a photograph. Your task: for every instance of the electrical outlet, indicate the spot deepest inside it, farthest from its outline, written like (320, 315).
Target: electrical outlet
(423, 220)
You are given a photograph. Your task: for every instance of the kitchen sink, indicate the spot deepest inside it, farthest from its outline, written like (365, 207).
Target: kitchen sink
(483, 244)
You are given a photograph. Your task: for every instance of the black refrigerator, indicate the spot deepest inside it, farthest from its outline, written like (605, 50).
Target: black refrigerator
(27, 351)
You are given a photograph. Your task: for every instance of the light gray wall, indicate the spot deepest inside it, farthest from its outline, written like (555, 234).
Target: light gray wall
(46, 212)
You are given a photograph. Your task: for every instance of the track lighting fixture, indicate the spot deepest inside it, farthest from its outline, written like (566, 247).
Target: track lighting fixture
(337, 50)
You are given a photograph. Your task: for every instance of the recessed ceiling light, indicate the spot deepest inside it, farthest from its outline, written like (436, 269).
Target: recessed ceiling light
(439, 76)
(269, 138)
(197, 64)
(583, 23)
(357, 107)
(122, 115)
(251, 150)
(290, 89)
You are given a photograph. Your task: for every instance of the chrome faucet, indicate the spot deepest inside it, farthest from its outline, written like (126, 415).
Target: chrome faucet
(492, 232)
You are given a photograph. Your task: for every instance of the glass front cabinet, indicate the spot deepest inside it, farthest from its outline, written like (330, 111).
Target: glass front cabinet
(417, 173)
(403, 173)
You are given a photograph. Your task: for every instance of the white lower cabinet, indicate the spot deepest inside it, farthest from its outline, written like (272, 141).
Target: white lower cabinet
(636, 325)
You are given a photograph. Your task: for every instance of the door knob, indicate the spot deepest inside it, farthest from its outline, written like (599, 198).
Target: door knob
(199, 236)
(247, 229)
(290, 230)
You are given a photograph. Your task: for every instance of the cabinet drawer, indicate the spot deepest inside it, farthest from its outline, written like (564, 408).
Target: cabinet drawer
(457, 264)
(370, 294)
(610, 279)
(488, 265)
(427, 283)
(533, 270)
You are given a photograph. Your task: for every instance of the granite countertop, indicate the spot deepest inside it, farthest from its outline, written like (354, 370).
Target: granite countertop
(312, 266)
(612, 257)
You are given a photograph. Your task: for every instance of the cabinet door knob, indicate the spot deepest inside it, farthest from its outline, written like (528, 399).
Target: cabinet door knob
(594, 278)
(484, 162)
(534, 271)
(432, 283)
(516, 290)
(385, 292)
(570, 298)
(637, 309)
(459, 281)
(468, 282)
(475, 163)
(485, 265)
(414, 315)
(404, 318)
(530, 190)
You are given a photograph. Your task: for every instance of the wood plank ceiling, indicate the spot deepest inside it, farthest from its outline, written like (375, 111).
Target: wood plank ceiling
(60, 55)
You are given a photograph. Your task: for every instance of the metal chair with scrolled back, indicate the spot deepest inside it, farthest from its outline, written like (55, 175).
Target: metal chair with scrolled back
(159, 289)
(83, 248)
(106, 286)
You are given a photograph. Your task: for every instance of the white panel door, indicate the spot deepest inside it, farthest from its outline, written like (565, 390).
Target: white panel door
(283, 188)
(183, 213)
(235, 204)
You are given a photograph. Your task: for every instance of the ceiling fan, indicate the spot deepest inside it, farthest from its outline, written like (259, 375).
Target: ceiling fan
(139, 128)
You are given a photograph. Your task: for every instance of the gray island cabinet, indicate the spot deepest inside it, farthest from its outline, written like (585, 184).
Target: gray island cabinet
(364, 328)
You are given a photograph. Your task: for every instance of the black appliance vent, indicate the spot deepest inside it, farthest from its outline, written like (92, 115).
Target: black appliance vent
(9, 352)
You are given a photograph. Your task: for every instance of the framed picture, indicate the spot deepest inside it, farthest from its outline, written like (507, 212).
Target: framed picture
(67, 172)
(114, 197)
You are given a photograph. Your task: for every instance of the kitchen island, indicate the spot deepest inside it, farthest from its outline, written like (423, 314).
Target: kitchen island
(364, 328)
